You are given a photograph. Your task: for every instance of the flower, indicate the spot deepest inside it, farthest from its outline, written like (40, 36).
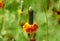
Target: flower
(59, 21)
(58, 12)
(20, 12)
(1, 4)
(30, 28)
(1, 0)
(32, 40)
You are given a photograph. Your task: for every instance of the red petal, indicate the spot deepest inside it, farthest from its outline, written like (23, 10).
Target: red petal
(35, 26)
(28, 30)
(1, 5)
(32, 40)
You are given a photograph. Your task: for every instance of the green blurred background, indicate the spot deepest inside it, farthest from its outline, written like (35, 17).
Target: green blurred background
(44, 15)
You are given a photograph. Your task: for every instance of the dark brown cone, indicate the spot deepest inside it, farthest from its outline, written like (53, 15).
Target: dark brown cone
(30, 13)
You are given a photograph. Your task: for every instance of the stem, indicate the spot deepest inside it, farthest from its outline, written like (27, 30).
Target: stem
(20, 17)
(3, 26)
(22, 5)
(47, 24)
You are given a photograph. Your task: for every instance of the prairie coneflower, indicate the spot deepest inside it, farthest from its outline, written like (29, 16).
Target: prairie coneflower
(58, 12)
(32, 40)
(30, 28)
(20, 12)
(59, 21)
(1, 4)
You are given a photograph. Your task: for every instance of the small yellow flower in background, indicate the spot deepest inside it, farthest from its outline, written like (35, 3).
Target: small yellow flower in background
(20, 12)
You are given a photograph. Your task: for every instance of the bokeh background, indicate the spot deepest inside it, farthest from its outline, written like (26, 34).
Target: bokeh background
(44, 15)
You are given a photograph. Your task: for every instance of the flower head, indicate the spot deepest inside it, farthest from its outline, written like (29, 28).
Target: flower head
(59, 21)
(32, 40)
(20, 12)
(30, 28)
(1, 4)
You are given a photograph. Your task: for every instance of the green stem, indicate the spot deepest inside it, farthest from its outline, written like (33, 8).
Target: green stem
(47, 24)
(3, 27)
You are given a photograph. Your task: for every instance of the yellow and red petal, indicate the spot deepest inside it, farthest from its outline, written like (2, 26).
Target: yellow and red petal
(1, 4)
(32, 40)
(30, 28)
(1, 1)
(35, 26)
